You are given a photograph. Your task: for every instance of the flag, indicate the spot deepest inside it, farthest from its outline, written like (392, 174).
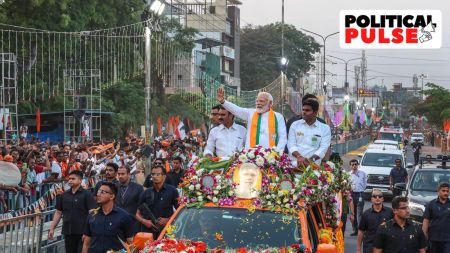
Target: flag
(158, 123)
(38, 120)
(169, 125)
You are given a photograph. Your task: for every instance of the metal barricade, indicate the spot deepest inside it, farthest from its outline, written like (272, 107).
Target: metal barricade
(350, 145)
(28, 234)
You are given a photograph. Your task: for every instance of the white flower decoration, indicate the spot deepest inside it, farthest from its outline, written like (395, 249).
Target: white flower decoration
(243, 158)
(260, 161)
(198, 186)
(191, 187)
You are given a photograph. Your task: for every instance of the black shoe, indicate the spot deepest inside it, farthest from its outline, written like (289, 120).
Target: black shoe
(354, 234)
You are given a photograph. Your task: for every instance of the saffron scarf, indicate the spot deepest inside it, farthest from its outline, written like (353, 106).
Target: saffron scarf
(256, 129)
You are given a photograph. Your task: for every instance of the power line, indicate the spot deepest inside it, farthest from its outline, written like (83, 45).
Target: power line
(394, 57)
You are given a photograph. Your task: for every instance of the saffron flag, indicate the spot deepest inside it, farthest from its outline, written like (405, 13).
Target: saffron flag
(38, 120)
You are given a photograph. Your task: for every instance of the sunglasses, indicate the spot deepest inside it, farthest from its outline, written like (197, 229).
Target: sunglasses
(377, 196)
(103, 192)
(157, 163)
(156, 174)
(403, 207)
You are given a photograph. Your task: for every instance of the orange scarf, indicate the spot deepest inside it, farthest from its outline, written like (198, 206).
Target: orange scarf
(256, 129)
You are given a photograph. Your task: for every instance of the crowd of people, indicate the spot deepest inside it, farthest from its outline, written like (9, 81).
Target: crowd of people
(114, 190)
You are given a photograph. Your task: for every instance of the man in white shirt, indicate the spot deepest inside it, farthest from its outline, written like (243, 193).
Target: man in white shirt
(308, 138)
(226, 138)
(265, 127)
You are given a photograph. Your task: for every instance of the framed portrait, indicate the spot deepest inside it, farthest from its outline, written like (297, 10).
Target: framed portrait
(248, 178)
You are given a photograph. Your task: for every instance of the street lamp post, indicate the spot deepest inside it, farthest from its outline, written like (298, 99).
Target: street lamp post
(422, 76)
(156, 7)
(346, 66)
(283, 59)
(324, 39)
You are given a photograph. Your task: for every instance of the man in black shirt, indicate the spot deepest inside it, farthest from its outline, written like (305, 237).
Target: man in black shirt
(73, 205)
(177, 172)
(398, 175)
(129, 193)
(108, 224)
(416, 147)
(158, 202)
(400, 235)
(436, 221)
(370, 220)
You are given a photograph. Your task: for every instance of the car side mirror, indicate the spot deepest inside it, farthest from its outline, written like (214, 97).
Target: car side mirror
(400, 186)
(326, 248)
(360, 155)
(409, 165)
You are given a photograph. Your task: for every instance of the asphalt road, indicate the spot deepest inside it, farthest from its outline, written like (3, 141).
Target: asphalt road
(350, 241)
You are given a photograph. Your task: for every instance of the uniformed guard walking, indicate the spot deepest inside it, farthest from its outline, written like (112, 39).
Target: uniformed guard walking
(371, 219)
(436, 221)
(400, 235)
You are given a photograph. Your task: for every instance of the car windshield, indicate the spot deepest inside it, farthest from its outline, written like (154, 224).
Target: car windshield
(391, 136)
(429, 180)
(380, 159)
(239, 227)
(417, 135)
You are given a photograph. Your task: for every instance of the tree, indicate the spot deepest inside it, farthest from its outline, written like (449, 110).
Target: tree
(261, 52)
(435, 106)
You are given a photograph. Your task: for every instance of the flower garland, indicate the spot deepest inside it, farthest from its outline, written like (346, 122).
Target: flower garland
(188, 246)
(281, 189)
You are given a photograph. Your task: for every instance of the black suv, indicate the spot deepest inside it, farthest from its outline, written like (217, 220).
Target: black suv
(422, 185)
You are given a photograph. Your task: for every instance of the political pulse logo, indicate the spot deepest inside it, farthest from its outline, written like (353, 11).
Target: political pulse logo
(390, 29)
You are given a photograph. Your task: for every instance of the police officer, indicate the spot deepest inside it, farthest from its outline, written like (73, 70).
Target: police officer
(436, 221)
(400, 235)
(370, 220)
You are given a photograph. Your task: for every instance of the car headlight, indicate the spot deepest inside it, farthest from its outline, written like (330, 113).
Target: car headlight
(417, 208)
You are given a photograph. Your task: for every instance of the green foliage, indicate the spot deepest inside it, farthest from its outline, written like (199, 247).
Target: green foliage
(261, 52)
(71, 15)
(436, 105)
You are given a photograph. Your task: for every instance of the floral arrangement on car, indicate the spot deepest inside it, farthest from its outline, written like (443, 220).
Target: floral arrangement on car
(188, 246)
(261, 178)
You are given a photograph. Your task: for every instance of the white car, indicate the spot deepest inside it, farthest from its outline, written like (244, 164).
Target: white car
(387, 142)
(377, 164)
(417, 136)
(382, 146)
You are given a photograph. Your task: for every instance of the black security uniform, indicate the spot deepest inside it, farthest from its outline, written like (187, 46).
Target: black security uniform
(105, 230)
(438, 214)
(394, 239)
(161, 204)
(370, 221)
(75, 209)
(398, 175)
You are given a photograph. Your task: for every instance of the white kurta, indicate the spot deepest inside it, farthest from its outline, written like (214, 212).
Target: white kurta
(247, 114)
(309, 140)
(224, 141)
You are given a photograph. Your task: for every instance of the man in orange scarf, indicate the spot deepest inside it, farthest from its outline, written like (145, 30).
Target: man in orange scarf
(265, 127)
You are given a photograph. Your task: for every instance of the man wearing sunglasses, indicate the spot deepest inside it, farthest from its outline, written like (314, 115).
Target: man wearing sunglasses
(370, 220)
(107, 224)
(401, 234)
(157, 203)
(358, 182)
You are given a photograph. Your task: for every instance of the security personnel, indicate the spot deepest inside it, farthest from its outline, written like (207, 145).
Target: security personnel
(436, 221)
(398, 175)
(370, 220)
(157, 203)
(107, 225)
(400, 235)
